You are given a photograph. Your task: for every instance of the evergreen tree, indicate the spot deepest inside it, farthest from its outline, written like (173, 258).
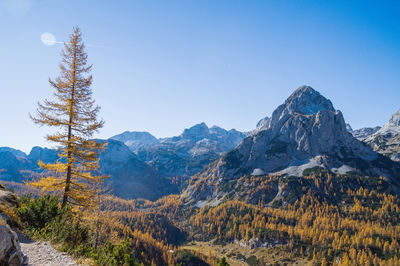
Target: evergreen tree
(74, 114)
(222, 262)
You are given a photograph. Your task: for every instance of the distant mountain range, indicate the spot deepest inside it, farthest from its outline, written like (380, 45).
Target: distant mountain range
(385, 140)
(365, 132)
(305, 132)
(139, 165)
(183, 155)
(18, 166)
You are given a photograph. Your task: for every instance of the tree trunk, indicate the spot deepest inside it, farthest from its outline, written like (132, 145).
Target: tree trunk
(69, 146)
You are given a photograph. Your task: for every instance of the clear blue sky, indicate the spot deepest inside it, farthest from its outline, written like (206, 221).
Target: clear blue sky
(161, 66)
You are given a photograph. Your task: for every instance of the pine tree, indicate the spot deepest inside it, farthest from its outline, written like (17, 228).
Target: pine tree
(222, 262)
(74, 114)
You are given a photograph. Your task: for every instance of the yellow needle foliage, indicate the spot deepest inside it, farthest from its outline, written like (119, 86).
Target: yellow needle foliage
(74, 114)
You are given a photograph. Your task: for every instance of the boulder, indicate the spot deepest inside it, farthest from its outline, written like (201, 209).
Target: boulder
(10, 250)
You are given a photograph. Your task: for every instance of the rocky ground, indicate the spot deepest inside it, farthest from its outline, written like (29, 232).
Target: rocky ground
(17, 249)
(42, 253)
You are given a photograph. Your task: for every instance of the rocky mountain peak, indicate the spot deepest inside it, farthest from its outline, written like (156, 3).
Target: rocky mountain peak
(262, 123)
(129, 135)
(395, 119)
(198, 131)
(303, 102)
(307, 101)
(136, 140)
(16, 152)
(44, 154)
(306, 131)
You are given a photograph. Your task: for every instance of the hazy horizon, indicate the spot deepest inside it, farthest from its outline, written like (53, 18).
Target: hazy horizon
(162, 66)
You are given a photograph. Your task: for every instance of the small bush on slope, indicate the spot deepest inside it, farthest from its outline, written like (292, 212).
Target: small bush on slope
(115, 255)
(37, 212)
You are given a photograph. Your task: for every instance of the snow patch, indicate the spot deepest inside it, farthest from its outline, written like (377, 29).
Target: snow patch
(258, 171)
(342, 169)
(297, 170)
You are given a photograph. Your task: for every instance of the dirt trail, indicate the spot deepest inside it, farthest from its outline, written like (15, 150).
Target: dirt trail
(42, 253)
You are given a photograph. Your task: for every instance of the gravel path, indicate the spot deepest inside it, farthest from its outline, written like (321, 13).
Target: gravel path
(42, 253)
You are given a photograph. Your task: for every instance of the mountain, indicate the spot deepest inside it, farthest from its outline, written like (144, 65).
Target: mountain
(305, 132)
(188, 153)
(44, 154)
(349, 128)
(136, 140)
(114, 156)
(261, 124)
(141, 166)
(386, 140)
(363, 133)
(11, 166)
(16, 166)
(129, 176)
(15, 152)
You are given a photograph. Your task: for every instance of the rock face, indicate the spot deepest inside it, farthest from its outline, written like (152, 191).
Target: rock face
(386, 140)
(7, 198)
(304, 132)
(262, 123)
(363, 133)
(136, 140)
(44, 154)
(10, 250)
(191, 151)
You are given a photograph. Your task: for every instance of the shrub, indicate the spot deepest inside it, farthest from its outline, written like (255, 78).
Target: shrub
(68, 230)
(46, 220)
(315, 169)
(185, 258)
(222, 262)
(38, 212)
(276, 203)
(120, 254)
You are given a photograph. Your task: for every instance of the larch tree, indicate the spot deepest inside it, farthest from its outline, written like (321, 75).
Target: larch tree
(74, 114)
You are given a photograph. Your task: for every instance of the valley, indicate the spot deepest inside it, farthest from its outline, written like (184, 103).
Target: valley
(298, 189)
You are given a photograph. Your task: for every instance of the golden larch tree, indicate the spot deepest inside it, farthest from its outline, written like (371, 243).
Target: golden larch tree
(74, 114)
